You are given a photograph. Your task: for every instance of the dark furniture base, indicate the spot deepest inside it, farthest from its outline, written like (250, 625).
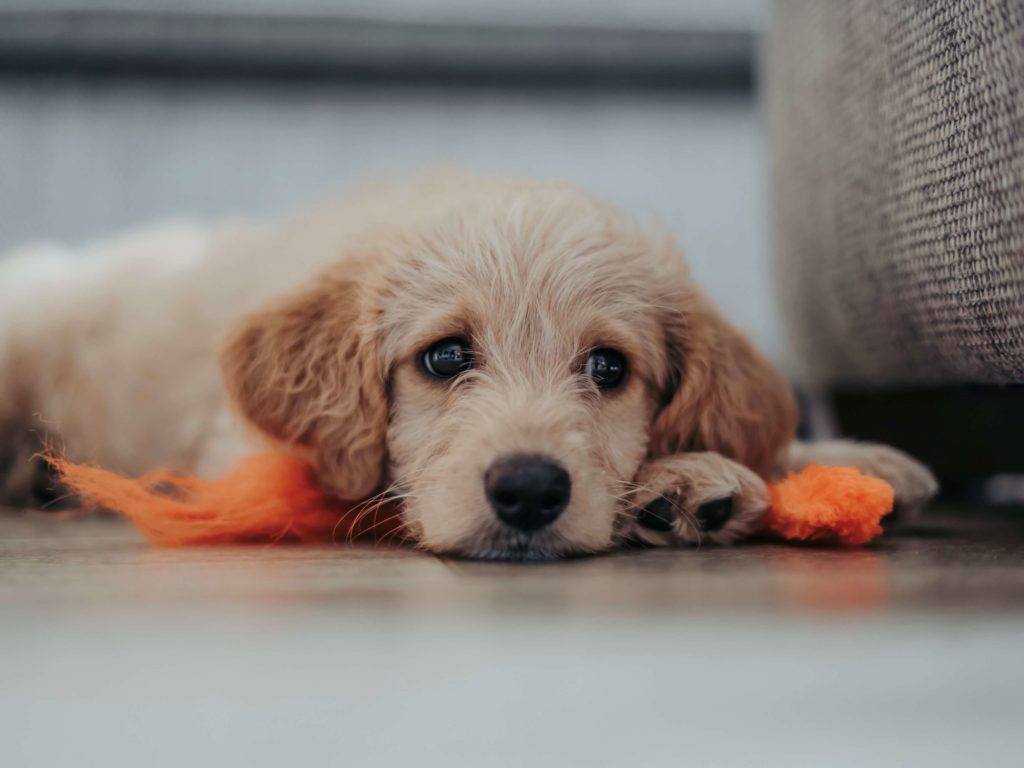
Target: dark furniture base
(964, 433)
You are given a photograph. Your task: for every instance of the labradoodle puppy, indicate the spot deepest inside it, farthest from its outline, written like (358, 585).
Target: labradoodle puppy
(531, 374)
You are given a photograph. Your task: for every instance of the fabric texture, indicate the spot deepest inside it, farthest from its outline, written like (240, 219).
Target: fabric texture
(898, 149)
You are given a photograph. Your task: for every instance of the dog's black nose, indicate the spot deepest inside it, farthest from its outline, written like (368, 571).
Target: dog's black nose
(527, 491)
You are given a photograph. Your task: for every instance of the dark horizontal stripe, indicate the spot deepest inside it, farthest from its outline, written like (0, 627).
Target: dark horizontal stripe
(960, 431)
(246, 46)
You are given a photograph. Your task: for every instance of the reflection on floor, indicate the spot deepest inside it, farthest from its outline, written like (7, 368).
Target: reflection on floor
(905, 653)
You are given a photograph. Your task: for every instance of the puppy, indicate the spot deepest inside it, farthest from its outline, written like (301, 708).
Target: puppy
(530, 373)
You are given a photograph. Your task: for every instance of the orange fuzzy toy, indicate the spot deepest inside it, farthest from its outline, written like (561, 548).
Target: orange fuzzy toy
(266, 498)
(837, 505)
(271, 497)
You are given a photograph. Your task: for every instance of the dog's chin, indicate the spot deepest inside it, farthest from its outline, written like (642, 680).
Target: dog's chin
(507, 545)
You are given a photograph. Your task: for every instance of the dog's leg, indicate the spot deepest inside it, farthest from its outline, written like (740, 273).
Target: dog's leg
(27, 333)
(913, 481)
(26, 479)
(690, 498)
(704, 497)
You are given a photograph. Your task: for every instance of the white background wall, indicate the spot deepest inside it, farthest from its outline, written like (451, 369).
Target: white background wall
(80, 160)
(692, 14)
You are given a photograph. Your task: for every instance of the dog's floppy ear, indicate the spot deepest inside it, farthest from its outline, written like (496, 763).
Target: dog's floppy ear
(305, 373)
(722, 395)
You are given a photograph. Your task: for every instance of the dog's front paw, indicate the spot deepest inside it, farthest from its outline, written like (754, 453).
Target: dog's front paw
(913, 483)
(697, 497)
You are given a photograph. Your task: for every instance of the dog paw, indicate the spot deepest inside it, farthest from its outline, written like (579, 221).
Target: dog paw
(697, 498)
(913, 483)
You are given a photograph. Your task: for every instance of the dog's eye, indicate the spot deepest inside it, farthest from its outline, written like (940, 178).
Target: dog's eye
(606, 367)
(448, 357)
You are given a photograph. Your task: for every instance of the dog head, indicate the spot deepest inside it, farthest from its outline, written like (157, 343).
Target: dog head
(505, 364)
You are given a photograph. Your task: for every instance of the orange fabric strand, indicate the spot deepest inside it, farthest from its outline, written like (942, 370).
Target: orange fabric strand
(266, 498)
(271, 497)
(838, 505)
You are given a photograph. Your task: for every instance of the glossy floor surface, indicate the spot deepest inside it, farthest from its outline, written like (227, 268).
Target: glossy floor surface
(907, 653)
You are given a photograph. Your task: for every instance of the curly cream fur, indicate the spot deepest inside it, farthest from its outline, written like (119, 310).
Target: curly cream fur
(189, 347)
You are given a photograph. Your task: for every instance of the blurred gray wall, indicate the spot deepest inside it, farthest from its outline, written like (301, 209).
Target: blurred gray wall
(82, 156)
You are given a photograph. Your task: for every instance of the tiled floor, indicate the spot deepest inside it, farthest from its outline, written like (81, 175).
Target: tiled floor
(908, 653)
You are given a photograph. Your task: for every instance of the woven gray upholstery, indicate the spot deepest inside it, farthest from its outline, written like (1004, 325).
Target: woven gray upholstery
(898, 145)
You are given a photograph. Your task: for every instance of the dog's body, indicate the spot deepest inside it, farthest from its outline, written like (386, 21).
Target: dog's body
(586, 365)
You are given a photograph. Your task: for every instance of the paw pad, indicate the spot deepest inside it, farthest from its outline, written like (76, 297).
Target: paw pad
(659, 515)
(713, 515)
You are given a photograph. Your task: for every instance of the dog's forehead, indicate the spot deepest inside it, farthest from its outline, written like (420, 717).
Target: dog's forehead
(554, 286)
